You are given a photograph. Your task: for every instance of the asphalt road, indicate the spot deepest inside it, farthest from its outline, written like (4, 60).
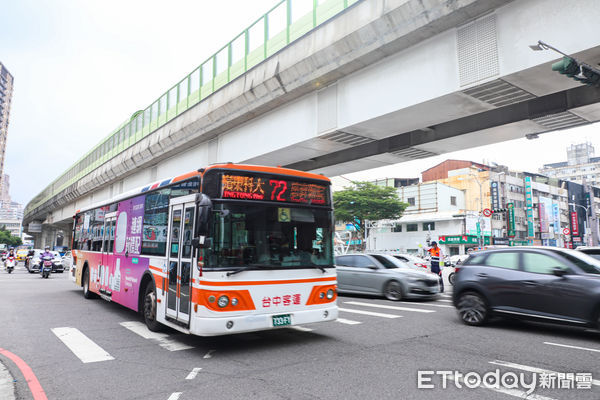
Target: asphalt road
(373, 352)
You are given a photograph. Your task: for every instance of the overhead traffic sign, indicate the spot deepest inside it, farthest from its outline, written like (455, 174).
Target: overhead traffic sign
(487, 212)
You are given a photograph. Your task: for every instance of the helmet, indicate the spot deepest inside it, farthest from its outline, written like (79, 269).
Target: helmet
(47, 248)
(434, 243)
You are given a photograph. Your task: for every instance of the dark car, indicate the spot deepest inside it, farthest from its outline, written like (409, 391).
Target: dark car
(546, 284)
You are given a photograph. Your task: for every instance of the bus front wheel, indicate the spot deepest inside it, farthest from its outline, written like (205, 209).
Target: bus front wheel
(87, 293)
(149, 310)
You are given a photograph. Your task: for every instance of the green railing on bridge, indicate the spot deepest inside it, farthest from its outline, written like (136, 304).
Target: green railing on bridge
(284, 23)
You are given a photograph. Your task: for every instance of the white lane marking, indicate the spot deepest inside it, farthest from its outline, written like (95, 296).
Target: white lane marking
(209, 354)
(387, 307)
(426, 304)
(531, 369)
(511, 392)
(573, 347)
(374, 314)
(162, 338)
(300, 328)
(347, 321)
(447, 301)
(82, 346)
(193, 374)
(174, 396)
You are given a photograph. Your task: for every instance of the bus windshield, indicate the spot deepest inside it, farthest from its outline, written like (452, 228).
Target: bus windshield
(269, 237)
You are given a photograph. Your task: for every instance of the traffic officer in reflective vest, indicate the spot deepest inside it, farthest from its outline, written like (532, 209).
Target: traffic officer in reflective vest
(436, 254)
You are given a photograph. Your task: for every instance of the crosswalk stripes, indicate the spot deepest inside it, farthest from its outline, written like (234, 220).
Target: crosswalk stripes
(162, 338)
(427, 304)
(370, 313)
(82, 346)
(348, 321)
(388, 307)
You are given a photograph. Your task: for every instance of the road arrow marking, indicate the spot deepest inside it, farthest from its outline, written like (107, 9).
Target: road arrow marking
(209, 354)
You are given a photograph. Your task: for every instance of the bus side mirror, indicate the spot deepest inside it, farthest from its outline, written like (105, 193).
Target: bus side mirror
(202, 218)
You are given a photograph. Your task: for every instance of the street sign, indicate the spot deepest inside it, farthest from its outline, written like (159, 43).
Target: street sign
(566, 231)
(487, 212)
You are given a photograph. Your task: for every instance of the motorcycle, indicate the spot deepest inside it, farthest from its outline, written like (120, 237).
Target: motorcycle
(10, 263)
(46, 266)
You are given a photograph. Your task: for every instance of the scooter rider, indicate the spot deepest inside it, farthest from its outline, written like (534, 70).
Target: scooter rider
(11, 253)
(30, 254)
(46, 253)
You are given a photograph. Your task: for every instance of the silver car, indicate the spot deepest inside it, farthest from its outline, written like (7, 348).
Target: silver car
(385, 275)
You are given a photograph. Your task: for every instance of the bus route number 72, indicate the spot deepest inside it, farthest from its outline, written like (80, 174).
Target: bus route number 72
(280, 186)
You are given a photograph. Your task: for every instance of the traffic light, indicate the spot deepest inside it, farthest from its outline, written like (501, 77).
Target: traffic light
(581, 72)
(499, 210)
(566, 66)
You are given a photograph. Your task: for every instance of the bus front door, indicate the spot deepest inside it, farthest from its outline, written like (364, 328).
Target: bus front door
(179, 262)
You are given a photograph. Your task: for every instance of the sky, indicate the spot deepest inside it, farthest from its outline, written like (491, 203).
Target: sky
(83, 67)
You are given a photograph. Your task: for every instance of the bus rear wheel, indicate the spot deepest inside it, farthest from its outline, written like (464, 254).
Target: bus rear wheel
(149, 309)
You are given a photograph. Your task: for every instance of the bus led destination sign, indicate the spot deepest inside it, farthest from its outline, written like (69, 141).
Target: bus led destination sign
(272, 189)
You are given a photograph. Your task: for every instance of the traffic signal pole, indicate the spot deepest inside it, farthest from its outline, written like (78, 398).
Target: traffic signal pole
(580, 71)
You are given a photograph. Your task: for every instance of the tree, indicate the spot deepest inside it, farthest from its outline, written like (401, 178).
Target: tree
(367, 201)
(7, 238)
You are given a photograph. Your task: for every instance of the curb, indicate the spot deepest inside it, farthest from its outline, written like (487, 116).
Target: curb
(7, 383)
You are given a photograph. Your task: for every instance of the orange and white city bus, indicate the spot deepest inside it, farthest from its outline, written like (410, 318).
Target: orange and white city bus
(227, 249)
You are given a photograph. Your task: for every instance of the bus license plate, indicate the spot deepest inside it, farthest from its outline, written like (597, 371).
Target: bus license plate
(282, 320)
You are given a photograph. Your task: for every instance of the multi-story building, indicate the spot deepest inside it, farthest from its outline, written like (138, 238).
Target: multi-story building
(581, 166)
(532, 209)
(11, 210)
(434, 210)
(6, 91)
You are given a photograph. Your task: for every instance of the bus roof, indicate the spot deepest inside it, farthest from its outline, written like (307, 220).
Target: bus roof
(269, 170)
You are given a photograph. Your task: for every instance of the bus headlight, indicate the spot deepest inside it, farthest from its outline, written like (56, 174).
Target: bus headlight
(223, 301)
(234, 301)
(330, 294)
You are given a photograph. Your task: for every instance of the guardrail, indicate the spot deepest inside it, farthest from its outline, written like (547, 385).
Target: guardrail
(280, 26)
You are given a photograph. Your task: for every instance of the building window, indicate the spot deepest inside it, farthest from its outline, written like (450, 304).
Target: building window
(412, 227)
(397, 228)
(411, 201)
(428, 226)
(452, 200)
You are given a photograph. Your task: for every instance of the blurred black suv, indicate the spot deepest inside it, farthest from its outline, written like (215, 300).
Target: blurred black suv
(546, 284)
